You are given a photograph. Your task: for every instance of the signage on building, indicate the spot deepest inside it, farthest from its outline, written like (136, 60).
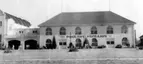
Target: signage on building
(62, 40)
(87, 36)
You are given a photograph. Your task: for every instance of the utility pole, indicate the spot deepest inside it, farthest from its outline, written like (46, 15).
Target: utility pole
(70, 37)
(109, 5)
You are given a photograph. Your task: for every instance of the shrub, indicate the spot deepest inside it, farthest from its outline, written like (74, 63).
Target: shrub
(54, 45)
(101, 46)
(140, 48)
(2, 47)
(7, 50)
(119, 46)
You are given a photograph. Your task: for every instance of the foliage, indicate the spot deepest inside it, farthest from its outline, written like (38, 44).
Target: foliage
(101, 46)
(119, 46)
(86, 44)
(54, 45)
(2, 47)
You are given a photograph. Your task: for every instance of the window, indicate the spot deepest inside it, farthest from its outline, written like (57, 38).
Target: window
(35, 31)
(48, 41)
(93, 30)
(94, 42)
(49, 44)
(48, 31)
(124, 29)
(62, 31)
(109, 30)
(20, 32)
(110, 42)
(125, 42)
(78, 44)
(62, 43)
(77, 30)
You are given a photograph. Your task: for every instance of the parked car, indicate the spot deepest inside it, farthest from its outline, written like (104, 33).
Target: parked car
(140, 47)
(118, 46)
(101, 46)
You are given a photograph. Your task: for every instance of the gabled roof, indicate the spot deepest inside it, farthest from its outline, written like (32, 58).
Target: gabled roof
(1, 13)
(76, 18)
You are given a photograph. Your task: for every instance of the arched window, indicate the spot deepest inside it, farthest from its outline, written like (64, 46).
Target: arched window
(31, 44)
(93, 30)
(78, 43)
(48, 44)
(62, 31)
(109, 30)
(48, 41)
(124, 29)
(125, 42)
(48, 31)
(94, 42)
(78, 30)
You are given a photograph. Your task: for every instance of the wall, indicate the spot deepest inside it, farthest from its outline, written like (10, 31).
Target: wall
(2, 28)
(86, 31)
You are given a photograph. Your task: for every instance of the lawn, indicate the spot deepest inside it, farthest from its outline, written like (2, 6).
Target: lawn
(82, 56)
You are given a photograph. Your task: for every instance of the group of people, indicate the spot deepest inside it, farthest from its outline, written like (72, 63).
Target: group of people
(78, 46)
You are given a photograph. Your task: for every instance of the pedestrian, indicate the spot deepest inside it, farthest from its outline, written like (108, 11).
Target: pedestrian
(72, 48)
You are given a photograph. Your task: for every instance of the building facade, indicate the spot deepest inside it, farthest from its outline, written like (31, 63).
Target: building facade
(79, 28)
(14, 33)
(96, 28)
(24, 38)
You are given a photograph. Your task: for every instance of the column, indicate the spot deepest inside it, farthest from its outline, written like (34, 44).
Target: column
(6, 43)
(23, 44)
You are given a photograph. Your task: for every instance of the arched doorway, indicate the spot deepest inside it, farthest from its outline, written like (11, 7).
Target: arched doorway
(31, 44)
(14, 44)
(86, 44)
(125, 42)
(94, 43)
(49, 44)
(78, 43)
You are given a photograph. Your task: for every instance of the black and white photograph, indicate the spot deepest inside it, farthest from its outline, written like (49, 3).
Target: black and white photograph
(71, 32)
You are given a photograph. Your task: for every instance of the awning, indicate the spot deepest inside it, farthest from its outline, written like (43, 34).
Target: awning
(18, 20)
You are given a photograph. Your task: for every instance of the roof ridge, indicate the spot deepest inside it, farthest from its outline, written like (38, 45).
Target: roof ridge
(85, 11)
(71, 18)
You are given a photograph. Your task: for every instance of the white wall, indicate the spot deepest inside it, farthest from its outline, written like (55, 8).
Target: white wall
(11, 26)
(86, 31)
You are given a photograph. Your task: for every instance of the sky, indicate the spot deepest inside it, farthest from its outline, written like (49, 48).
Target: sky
(38, 11)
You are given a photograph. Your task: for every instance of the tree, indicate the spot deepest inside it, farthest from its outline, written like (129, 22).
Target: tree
(70, 45)
(86, 43)
(54, 45)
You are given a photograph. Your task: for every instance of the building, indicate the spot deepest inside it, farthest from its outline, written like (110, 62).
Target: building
(14, 32)
(2, 25)
(79, 28)
(97, 28)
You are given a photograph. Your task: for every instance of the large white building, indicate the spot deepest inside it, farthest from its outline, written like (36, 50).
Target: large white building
(96, 28)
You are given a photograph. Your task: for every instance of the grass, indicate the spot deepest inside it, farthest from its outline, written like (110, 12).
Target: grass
(83, 56)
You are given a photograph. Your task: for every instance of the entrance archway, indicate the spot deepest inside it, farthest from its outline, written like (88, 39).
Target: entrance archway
(14, 44)
(78, 43)
(49, 44)
(94, 42)
(125, 42)
(31, 44)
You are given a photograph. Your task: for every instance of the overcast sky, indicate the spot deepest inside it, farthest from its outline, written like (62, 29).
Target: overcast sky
(38, 11)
